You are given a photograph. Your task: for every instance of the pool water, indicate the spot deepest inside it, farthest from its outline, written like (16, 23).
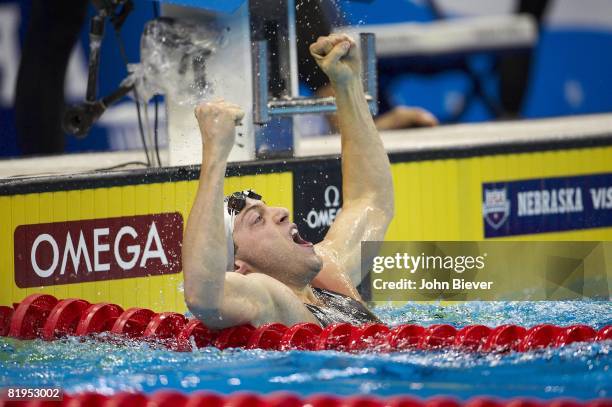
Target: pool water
(581, 371)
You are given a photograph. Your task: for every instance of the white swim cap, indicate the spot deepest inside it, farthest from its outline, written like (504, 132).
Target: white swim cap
(232, 204)
(229, 220)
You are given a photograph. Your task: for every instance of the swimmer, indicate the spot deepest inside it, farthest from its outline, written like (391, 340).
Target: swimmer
(244, 262)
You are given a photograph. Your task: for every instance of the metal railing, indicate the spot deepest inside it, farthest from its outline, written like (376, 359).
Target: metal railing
(264, 108)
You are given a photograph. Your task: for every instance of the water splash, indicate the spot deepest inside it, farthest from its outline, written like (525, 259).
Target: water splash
(173, 56)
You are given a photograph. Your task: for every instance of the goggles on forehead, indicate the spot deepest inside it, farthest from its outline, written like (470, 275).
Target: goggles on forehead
(237, 201)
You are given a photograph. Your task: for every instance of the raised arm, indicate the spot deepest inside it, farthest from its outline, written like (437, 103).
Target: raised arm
(367, 186)
(217, 298)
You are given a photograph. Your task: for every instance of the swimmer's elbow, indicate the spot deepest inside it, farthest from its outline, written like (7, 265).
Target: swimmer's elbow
(224, 316)
(384, 207)
(208, 315)
(387, 208)
(201, 297)
(390, 213)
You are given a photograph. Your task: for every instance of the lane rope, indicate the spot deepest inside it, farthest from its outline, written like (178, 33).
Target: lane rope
(171, 398)
(44, 316)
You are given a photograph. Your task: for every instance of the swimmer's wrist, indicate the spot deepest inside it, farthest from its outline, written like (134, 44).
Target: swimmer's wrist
(212, 158)
(215, 152)
(351, 91)
(351, 84)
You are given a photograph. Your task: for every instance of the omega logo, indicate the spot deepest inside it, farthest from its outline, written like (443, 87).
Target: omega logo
(325, 217)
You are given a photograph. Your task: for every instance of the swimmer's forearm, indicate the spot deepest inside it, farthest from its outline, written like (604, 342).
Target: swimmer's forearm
(204, 247)
(366, 172)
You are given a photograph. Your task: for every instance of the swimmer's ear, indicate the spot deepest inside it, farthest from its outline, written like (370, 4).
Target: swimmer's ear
(241, 267)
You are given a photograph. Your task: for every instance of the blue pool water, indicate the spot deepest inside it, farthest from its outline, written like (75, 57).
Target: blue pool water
(581, 371)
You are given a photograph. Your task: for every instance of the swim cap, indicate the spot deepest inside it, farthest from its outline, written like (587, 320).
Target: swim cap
(229, 218)
(232, 205)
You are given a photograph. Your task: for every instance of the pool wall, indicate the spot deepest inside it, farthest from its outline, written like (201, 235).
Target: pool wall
(438, 196)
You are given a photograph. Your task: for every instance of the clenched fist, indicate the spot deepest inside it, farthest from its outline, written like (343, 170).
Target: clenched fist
(217, 121)
(337, 56)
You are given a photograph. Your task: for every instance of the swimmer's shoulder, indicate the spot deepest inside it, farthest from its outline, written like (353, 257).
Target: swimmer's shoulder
(285, 306)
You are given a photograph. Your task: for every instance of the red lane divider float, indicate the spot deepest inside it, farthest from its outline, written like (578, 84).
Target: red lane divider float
(30, 315)
(64, 318)
(98, 318)
(169, 398)
(133, 322)
(43, 316)
(6, 314)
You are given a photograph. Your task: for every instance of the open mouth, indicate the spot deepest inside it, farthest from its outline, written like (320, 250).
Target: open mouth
(297, 239)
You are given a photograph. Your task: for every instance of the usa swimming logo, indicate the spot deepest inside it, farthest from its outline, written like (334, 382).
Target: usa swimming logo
(543, 205)
(496, 207)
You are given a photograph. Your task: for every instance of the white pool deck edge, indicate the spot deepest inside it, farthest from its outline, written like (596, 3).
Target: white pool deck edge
(440, 138)
(488, 134)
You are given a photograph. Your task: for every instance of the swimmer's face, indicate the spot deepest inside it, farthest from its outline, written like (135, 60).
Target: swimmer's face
(268, 243)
